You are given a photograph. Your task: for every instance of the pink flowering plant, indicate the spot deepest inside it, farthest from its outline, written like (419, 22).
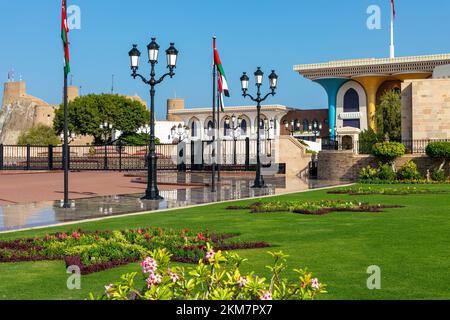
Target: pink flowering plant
(216, 277)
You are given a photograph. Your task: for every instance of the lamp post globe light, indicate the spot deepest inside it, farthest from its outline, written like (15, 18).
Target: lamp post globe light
(273, 81)
(152, 192)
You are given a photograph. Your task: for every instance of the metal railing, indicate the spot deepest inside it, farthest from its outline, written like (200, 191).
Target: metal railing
(365, 147)
(195, 155)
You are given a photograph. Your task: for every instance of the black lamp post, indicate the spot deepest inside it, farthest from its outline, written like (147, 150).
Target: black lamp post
(106, 129)
(152, 192)
(273, 78)
(235, 127)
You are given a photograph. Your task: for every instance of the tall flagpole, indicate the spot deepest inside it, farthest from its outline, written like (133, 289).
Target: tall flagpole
(219, 146)
(213, 155)
(392, 47)
(66, 204)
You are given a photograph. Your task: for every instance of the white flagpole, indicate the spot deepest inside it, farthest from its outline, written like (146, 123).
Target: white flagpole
(392, 47)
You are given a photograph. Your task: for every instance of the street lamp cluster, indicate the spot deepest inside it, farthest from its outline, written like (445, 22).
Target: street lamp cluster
(180, 132)
(294, 126)
(72, 136)
(273, 79)
(152, 192)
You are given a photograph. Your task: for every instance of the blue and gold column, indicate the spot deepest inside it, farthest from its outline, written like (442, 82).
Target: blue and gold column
(331, 86)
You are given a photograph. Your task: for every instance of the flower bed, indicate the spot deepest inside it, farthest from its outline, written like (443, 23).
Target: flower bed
(311, 208)
(101, 250)
(388, 191)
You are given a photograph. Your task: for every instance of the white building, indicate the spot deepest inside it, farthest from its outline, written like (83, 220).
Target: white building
(200, 120)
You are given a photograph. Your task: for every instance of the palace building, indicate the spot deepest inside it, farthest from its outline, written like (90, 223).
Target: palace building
(354, 88)
(273, 121)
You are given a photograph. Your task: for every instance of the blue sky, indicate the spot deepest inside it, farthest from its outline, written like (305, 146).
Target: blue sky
(251, 33)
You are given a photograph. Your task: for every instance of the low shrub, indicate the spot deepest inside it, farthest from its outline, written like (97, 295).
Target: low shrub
(385, 172)
(368, 174)
(409, 172)
(217, 277)
(438, 175)
(399, 182)
(311, 207)
(388, 191)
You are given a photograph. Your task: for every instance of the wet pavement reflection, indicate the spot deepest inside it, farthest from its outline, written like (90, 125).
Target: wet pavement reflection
(47, 213)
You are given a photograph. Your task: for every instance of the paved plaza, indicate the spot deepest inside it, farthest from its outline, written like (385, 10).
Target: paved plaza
(34, 200)
(23, 187)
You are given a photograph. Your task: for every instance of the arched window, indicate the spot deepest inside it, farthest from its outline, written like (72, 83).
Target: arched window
(209, 128)
(351, 101)
(226, 129)
(243, 127)
(262, 124)
(305, 125)
(194, 129)
(351, 104)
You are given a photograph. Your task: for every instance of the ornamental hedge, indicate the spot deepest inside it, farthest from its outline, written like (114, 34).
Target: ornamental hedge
(439, 150)
(387, 152)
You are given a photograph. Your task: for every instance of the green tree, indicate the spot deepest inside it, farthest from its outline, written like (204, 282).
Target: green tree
(86, 113)
(367, 139)
(136, 139)
(39, 135)
(388, 115)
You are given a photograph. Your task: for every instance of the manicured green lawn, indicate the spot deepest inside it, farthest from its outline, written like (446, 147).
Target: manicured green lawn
(411, 245)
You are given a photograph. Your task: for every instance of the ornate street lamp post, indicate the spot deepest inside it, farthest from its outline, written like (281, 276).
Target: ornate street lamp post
(152, 192)
(72, 136)
(315, 129)
(235, 127)
(106, 129)
(273, 78)
(180, 133)
(292, 127)
(268, 125)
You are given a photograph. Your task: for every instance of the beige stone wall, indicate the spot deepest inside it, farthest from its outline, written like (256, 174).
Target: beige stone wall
(44, 115)
(72, 93)
(344, 165)
(12, 91)
(426, 109)
(293, 154)
(173, 105)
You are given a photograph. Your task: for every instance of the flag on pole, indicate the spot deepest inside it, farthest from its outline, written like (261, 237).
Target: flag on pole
(65, 38)
(221, 78)
(393, 8)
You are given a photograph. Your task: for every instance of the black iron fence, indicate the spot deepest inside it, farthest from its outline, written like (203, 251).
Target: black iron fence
(365, 147)
(195, 155)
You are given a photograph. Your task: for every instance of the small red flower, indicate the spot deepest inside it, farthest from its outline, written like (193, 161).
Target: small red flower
(76, 235)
